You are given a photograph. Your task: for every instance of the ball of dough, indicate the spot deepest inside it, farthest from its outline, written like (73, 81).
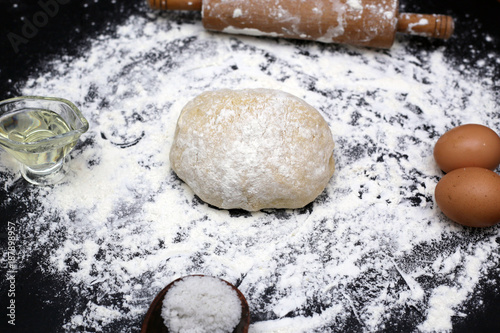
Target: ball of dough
(253, 149)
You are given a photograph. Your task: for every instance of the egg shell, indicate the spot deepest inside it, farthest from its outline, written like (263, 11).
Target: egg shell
(470, 145)
(470, 196)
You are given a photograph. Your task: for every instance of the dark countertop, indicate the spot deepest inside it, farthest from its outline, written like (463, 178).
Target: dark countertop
(40, 306)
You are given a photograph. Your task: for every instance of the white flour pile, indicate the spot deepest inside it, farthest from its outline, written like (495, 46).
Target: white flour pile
(371, 252)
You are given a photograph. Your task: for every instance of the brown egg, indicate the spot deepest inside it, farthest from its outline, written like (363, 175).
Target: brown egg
(468, 145)
(470, 196)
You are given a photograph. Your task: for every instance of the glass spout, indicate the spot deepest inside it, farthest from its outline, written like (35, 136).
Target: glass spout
(40, 132)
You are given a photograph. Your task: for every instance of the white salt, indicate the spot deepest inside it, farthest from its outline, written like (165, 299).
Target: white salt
(199, 304)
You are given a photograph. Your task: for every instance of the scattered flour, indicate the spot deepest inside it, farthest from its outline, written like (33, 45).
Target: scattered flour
(355, 4)
(371, 249)
(237, 13)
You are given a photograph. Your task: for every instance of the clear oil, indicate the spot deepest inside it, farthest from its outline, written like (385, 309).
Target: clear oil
(36, 131)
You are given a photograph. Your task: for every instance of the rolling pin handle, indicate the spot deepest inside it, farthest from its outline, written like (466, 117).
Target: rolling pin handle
(428, 25)
(176, 4)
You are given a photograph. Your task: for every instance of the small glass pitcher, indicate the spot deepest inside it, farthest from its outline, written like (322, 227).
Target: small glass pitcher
(40, 132)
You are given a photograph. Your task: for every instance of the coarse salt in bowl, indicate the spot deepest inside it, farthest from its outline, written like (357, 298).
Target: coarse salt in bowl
(196, 304)
(201, 304)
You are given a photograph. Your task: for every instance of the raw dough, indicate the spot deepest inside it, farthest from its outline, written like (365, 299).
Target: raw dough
(253, 149)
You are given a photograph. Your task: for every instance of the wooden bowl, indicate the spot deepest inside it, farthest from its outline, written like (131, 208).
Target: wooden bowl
(153, 321)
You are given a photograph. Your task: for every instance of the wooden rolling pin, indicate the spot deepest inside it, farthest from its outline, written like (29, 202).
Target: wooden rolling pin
(371, 23)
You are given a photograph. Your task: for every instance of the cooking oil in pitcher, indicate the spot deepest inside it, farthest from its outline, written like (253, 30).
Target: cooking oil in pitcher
(34, 127)
(40, 132)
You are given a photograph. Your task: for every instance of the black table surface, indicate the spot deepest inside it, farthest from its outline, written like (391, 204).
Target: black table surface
(70, 31)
